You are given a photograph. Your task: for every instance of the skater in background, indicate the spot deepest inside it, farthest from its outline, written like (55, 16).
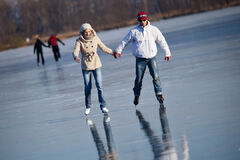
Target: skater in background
(143, 38)
(52, 41)
(87, 44)
(38, 47)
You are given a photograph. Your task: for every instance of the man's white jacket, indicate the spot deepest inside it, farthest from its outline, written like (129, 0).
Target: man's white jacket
(144, 41)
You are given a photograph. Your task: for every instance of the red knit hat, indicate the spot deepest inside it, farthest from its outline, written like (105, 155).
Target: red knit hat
(142, 15)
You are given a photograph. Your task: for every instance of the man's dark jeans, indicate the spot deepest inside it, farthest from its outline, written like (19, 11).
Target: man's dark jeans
(141, 64)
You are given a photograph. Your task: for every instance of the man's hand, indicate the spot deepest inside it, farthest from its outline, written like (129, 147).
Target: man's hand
(115, 54)
(167, 58)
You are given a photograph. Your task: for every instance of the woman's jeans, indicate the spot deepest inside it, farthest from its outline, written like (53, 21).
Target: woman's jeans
(141, 64)
(87, 76)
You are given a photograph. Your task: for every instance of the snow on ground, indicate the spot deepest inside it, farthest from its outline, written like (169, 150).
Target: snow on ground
(42, 108)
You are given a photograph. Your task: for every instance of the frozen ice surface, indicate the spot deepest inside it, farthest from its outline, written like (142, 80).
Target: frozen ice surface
(42, 107)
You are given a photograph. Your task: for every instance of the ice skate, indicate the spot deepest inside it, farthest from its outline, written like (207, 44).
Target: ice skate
(87, 111)
(105, 110)
(136, 100)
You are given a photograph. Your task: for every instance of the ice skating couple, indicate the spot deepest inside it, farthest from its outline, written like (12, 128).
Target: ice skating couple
(143, 37)
(52, 42)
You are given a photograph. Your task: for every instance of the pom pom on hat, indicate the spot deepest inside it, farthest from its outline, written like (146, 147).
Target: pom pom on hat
(142, 15)
(85, 26)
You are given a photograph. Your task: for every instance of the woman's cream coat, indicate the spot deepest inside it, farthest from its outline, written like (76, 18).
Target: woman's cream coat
(88, 48)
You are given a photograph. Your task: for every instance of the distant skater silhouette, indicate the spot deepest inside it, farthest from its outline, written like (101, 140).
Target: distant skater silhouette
(38, 47)
(52, 41)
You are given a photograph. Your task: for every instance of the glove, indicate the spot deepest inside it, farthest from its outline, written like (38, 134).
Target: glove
(115, 54)
(167, 58)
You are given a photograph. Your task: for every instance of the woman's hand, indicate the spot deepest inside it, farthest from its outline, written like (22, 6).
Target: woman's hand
(77, 59)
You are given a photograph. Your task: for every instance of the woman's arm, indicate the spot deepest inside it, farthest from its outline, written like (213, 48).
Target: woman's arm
(76, 51)
(103, 47)
(44, 44)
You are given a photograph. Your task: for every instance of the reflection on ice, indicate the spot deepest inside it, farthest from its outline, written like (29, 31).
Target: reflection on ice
(162, 148)
(102, 153)
(60, 73)
(155, 142)
(185, 149)
(169, 151)
(44, 78)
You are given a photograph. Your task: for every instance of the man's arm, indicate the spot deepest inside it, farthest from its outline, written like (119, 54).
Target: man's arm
(123, 43)
(163, 43)
(60, 41)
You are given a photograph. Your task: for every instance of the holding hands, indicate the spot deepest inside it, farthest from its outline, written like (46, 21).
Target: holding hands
(115, 54)
(167, 58)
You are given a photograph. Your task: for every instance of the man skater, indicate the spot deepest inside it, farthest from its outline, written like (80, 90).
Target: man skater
(144, 37)
(52, 41)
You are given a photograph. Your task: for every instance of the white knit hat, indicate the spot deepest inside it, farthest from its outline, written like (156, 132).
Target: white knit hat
(85, 26)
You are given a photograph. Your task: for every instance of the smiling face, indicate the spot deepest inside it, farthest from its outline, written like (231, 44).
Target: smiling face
(87, 32)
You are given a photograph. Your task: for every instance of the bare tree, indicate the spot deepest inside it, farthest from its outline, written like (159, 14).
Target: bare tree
(28, 17)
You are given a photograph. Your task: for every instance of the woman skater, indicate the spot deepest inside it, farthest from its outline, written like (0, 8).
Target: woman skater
(87, 44)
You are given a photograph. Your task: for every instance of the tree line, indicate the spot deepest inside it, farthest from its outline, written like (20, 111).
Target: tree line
(25, 18)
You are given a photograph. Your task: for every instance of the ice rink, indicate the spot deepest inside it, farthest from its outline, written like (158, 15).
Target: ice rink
(42, 107)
